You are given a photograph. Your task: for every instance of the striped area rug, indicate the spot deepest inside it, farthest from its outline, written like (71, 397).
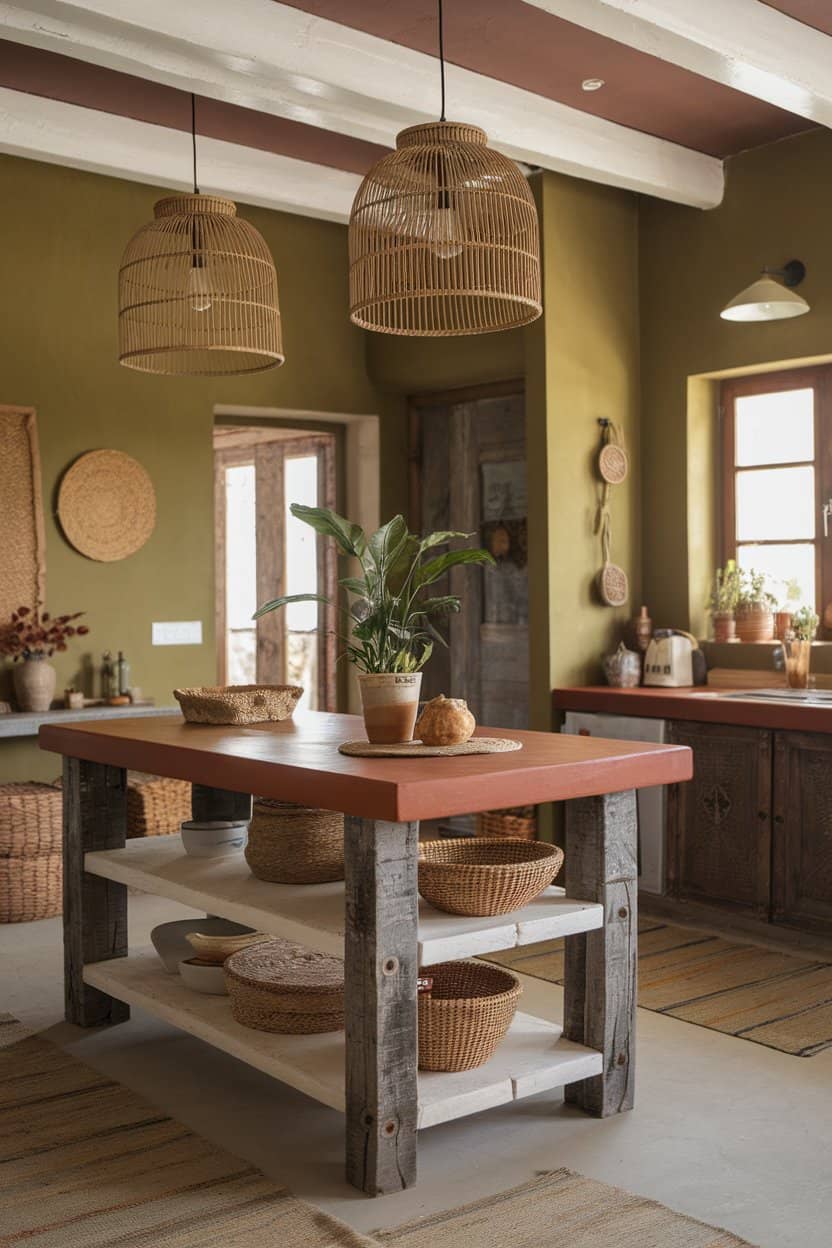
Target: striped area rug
(86, 1163)
(781, 1000)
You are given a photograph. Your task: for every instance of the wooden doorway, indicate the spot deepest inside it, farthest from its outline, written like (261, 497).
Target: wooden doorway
(263, 552)
(468, 461)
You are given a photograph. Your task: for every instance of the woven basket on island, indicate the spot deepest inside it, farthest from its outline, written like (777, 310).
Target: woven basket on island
(485, 876)
(515, 821)
(31, 861)
(283, 987)
(292, 844)
(238, 704)
(465, 1014)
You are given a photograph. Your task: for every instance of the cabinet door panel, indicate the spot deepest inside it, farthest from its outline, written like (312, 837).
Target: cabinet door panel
(719, 824)
(802, 892)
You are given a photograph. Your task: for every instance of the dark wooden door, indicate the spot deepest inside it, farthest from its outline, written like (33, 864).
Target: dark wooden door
(719, 824)
(470, 457)
(802, 857)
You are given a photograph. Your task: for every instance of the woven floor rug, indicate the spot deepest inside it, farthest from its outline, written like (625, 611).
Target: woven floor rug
(560, 1210)
(85, 1163)
(781, 1000)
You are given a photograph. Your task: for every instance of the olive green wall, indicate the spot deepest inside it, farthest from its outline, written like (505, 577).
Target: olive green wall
(691, 264)
(63, 234)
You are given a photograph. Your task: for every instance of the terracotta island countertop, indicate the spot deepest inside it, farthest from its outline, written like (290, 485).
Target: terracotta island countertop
(709, 706)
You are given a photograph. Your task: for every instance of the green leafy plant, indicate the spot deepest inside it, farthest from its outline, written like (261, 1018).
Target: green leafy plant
(805, 624)
(391, 612)
(792, 594)
(752, 590)
(725, 589)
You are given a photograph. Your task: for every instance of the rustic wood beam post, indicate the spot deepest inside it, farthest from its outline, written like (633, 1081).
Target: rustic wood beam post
(600, 969)
(381, 1017)
(220, 805)
(95, 909)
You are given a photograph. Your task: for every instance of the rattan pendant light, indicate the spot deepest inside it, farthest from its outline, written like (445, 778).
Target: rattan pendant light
(197, 291)
(443, 236)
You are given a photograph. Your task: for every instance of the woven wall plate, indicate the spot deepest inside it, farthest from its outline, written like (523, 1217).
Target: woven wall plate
(107, 505)
(613, 463)
(613, 585)
(415, 749)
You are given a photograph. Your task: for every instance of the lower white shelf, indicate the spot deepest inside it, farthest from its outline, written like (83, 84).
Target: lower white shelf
(532, 1058)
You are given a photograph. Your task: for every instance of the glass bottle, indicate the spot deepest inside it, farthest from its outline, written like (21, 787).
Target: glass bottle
(107, 675)
(123, 674)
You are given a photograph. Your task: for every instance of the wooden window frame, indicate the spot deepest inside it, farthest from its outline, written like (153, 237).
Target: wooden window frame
(819, 379)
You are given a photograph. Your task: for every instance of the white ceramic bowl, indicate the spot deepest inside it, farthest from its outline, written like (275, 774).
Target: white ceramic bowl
(214, 840)
(169, 939)
(207, 979)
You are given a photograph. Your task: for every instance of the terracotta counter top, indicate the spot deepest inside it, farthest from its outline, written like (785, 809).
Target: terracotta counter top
(705, 705)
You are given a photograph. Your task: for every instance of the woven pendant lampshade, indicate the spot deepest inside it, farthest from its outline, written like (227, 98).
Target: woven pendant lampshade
(443, 238)
(198, 293)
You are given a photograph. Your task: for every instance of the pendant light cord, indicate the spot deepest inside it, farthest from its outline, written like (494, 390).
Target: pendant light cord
(193, 137)
(442, 58)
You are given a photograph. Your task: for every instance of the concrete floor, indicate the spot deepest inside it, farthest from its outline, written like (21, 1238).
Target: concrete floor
(724, 1130)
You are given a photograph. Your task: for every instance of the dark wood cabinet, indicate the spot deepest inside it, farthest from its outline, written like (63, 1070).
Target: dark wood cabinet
(802, 848)
(719, 824)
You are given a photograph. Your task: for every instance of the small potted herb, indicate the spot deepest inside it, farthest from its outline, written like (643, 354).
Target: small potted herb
(798, 647)
(723, 600)
(755, 607)
(30, 638)
(391, 612)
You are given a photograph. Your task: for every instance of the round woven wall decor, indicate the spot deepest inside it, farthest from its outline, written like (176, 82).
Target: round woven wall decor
(107, 505)
(613, 463)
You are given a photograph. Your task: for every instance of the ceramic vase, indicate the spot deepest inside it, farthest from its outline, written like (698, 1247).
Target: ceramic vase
(725, 626)
(755, 622)
(390, 701)
(34, 684)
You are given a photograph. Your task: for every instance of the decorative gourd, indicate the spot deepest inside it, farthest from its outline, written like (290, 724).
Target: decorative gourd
(445, 721)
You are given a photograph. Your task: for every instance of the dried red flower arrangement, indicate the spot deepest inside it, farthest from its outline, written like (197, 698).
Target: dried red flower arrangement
(30, 634)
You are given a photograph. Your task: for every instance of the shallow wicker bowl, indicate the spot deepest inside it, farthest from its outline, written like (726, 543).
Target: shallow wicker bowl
(238, 704)
(484, 876)
(465, 1015)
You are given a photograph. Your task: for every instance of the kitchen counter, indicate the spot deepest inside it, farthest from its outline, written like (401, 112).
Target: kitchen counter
(700, 704)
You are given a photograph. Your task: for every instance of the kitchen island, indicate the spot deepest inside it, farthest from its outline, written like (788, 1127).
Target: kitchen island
(375, 916)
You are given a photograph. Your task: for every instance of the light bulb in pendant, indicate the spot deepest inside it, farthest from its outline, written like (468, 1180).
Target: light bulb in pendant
(443, 233)
(199, 289)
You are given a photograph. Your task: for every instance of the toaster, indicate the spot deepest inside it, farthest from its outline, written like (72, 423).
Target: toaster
(673, 659)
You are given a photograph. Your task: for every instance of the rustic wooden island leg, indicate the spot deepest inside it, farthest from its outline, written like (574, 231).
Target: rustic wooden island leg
(380, 978)
(95, 909)
(600, 970)
(220, 805)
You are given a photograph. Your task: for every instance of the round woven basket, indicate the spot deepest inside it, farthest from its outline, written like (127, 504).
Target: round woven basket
(291, 844)
(279, 986)
(107, 505)
(516, 822)
(30, 820)
(30, 888)
(484, 876)
(465, 1015)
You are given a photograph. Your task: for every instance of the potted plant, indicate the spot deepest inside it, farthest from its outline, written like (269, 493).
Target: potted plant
(391, 612)
(754, 613)
(30, 638)
(798, 648)
(723, 600)
(786, 608)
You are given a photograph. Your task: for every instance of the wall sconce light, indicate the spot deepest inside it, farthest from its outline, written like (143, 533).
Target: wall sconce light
(767, 299)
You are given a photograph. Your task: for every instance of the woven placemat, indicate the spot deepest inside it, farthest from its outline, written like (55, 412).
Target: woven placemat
(107, 505)
(415, 749)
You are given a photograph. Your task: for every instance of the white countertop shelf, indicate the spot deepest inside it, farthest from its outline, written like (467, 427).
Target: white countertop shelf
(532, 1058)
(29, 723)
(313, 914)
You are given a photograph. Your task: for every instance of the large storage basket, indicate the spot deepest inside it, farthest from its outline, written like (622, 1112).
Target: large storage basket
(31, 862)
(291, 844)
(516, 821)
(156, 805)
(483, 876)
(465, 1015)
(280, 986)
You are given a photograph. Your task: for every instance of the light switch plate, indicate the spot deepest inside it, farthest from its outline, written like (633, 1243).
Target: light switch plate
(177, 633)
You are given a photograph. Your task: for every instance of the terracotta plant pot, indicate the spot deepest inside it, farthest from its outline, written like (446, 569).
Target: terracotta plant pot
(725, 626)
(390, 701)
(755, 622)
(782, 624)
(34, 684)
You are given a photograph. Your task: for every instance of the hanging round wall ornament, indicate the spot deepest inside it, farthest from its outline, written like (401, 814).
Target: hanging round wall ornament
(613, 461)
(106, 505)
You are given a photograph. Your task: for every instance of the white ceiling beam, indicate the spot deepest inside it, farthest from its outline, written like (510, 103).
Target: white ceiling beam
(277, 59)
(741, 43)
(84, 138)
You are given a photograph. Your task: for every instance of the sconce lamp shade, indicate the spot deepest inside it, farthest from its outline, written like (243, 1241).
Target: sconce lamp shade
(764, 300)
(443, 238)
(197, 293)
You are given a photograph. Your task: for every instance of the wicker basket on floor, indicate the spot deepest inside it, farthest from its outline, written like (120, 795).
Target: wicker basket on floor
(31, 863)
(283, 987)
(516, 821)
(291, 844)
(480, 876)
(156, 805)
(465, 1015)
